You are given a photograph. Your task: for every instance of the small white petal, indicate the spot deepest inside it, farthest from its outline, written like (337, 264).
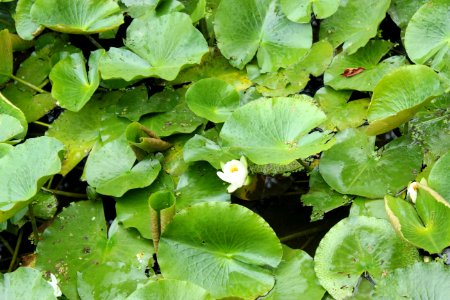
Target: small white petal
(54, 284)
(232, 188)
(412, 191)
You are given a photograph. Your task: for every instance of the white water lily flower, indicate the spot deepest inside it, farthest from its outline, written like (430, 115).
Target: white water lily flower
(234, 172)
(54, 284)
(412, 191)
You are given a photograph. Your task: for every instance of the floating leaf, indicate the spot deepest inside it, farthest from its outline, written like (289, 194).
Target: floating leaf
(275, 130)
(25, 26)
(352, 166)
(401, 11)
(300, 10)
(428, 33)
(6, 53)
(235, 247)
(78, 242)
(439, 177)
(132, 105)
(361, 71)
(111, 170)
(322, 197)
(200, 183)
(77, 16)
(7, 108)
(25, 283)
(369, 208)
(399, 95)
(212, 99)
(341, 113)
(10, 127)
(277, 41)
(295, 278)
(418, 281)
(170, 289)
(72, 87)
(426, 224)
(201, 148)
(24, 169)
(138, 8)
(354, 24)
(357, 245)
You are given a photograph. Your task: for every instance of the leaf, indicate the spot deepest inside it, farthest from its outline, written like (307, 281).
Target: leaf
(235, 247)
(399, 95)
(369, 208)
(170, 289)
(71, 86)
(7, 108)
(212, 99)
(111, 170)
(428, 34)
(77, 16)
(10, 127)
(322, 197)
(425, 225)
(200, 148)
(401, 11)
(25, 26)
(179, 120)
(6, 53)
(275, 130)
(138, 8)
(300, 10)
(418, 281)
(132, 105)
(354, 23)
(357, 245)
(24, 169)
(361, 71)
(246, 28)
(341, 113)
(25, 283)
(144, 141)
(162, 210)
(200, 183)
(439, 177)
(78, 242)
(352, 166)
(295, 278)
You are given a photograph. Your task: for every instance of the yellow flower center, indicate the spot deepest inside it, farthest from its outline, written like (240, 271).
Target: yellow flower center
(234, 169)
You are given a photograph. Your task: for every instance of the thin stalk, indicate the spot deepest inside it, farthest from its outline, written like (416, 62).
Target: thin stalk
(42, 124)
(50, 181)
(44, 83)
(305, 165)
(65, 194)
(303, 233)
(94, 42)
(33, 224)
(30, 85)
(16, 251)
(7, 245)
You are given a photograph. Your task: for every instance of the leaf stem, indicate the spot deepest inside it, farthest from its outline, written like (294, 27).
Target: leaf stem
(33, 224)
(42, 124)
(16, 251)
(304, 233)
(7, 245)
(305, 165)
(65, 194)
(30, 85)
(94, 42)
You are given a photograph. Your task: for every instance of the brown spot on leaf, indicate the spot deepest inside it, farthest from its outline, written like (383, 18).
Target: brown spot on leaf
(349, 72)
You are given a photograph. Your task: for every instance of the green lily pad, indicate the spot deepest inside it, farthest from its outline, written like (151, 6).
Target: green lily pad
(341, 114)
(44, 205)
(6, 53)
(201, 148)
(401, 11)
(170, 289)
(295, 278)
(111, 169)
(8, 108)
(322, 197)
(77, 16)
(78, 241)
(399, 95)
(418, 281)
(367, 59)
(425, 224)
(138, 8)
(133, 210)
(427, 37)
(275, 130)
(25, 26)
(300, 10)
(357, 245)
(352, 166)
(24, 169)
(133, 103)
(10, 127)
(179, 120)
(277, 41)
(235, 247)
(25, 283)
(71, 86)
(369, 208)
(200, 183)
(354, 24)
(439, 177)
(212, 99)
